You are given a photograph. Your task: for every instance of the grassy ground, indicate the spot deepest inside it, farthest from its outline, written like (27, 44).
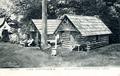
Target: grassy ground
(15, 56)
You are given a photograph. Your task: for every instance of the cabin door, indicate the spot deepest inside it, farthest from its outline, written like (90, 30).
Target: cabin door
(32, 35)
(5, 35)
(66, 41)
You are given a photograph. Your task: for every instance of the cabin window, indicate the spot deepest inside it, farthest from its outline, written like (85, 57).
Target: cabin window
(104, 38)
(97, 38)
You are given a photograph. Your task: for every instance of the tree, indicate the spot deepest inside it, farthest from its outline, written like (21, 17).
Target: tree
(24, 7)
(44, 25)
(110, 14)
(2, 12)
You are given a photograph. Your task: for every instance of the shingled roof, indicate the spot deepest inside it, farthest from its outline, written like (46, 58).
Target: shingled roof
(52, 24)
(89, 25)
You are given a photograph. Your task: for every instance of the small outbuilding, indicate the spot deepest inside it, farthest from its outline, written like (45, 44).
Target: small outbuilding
(82, 31)
(8, 31)
(4, 30)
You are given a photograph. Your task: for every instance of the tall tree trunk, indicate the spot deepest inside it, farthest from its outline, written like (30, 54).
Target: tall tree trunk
(44, 25)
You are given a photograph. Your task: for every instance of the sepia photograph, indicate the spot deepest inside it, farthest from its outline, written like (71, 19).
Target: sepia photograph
(59, 33)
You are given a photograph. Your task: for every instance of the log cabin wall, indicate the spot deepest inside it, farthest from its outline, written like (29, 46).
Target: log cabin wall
(95, 41)
(98, 41)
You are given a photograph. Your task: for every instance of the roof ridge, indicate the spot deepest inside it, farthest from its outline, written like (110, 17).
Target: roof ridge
(52, 24)
(2, 22)
(95, 16)
(47, 19)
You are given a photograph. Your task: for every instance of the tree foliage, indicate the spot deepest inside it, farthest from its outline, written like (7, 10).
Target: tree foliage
(2, 12)
(32, 8)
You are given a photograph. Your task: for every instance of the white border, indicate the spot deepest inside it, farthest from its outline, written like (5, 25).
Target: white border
(87, 71)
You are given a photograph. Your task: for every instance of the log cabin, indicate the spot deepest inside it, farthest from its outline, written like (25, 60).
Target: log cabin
(76, 31)
(35, 27)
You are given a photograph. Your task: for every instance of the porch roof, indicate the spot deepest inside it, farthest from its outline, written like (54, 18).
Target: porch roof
(52, 24)
(89, 25)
